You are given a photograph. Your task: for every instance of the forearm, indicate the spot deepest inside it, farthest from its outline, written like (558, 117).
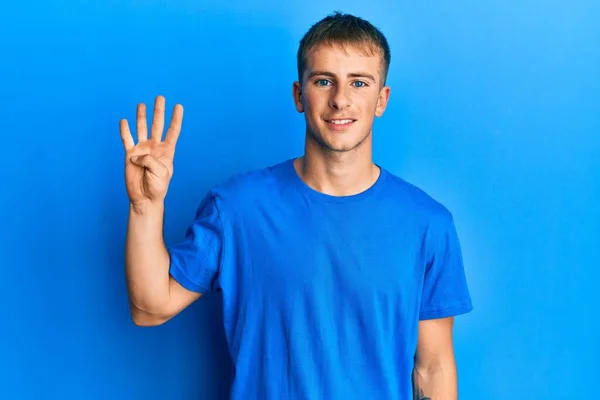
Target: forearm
(147, 259)
(435, 381)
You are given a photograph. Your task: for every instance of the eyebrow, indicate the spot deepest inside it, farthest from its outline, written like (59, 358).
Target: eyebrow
(350, 75)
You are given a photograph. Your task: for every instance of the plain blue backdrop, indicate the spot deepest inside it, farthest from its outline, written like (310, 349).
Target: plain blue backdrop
(495, 111)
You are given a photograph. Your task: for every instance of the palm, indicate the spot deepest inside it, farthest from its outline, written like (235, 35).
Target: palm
(147, 179)
(140, 182)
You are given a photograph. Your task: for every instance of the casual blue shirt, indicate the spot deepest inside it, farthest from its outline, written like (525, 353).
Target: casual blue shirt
(322, 295)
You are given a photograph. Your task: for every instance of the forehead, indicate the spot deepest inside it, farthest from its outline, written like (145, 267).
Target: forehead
(343, 59)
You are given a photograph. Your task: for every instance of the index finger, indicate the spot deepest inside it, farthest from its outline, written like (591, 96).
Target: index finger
(175, 125)
(126, 135)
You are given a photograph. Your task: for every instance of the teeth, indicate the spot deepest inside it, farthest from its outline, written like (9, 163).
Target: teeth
(340, 121)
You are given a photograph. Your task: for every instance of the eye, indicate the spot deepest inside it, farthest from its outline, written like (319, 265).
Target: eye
(322, 82)
(360, 84)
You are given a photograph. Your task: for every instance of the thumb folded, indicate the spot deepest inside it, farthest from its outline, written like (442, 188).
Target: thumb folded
(149, 162)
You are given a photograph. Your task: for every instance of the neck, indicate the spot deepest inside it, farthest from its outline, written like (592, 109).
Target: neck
(337, 173)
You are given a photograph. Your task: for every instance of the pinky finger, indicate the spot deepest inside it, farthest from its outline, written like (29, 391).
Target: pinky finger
(126, 135)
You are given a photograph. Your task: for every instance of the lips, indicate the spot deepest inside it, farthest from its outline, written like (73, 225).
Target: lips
(340, 121)
(339, 124)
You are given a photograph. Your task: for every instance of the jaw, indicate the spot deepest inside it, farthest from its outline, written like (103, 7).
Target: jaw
(330, 141)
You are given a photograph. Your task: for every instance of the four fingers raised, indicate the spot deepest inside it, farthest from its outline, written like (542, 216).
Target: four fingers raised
(157, 125)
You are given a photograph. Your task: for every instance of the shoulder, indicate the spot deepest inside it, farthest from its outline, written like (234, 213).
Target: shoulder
(416, 200)
(435, 221)
(249, 186)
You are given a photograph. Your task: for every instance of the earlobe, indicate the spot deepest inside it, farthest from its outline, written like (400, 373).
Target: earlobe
(299, 103)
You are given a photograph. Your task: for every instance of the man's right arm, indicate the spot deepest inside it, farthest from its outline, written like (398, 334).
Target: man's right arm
(154, 296)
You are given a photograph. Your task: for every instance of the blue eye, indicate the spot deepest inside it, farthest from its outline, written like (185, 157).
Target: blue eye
(322, 82)
(362, 84)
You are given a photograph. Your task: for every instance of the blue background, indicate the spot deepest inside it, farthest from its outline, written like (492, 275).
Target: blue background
(495, 111)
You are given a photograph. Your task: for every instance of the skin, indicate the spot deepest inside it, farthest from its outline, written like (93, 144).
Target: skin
(154, 296)
(338, 83)
(343, 83)
(434, 374)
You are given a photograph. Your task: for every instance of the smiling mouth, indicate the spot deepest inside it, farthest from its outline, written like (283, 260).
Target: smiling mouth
(339, 124)
(340, 121)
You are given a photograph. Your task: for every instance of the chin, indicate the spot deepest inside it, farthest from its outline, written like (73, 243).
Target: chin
(337, 142)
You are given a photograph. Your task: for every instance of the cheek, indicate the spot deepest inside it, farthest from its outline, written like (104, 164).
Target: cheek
(372, 107)
(314, 107)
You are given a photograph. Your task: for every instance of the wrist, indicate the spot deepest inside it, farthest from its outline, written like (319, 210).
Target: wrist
(146, 208)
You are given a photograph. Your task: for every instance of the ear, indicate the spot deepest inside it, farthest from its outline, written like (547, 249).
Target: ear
(382, 100)
(297, 93)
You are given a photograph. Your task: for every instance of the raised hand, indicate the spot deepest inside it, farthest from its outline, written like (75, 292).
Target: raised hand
(149, 163)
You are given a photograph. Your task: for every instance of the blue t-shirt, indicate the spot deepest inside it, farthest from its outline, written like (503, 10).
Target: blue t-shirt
(322, 295)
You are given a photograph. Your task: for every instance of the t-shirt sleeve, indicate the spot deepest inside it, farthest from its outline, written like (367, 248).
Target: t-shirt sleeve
(196, 260)
(445, 289)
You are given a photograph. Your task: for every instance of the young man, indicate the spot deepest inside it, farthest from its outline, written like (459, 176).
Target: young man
(339, 279)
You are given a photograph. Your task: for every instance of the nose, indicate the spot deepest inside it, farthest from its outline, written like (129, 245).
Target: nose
(340, 98)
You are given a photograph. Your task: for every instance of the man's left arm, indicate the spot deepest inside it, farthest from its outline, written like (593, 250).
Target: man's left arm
(434, 374)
